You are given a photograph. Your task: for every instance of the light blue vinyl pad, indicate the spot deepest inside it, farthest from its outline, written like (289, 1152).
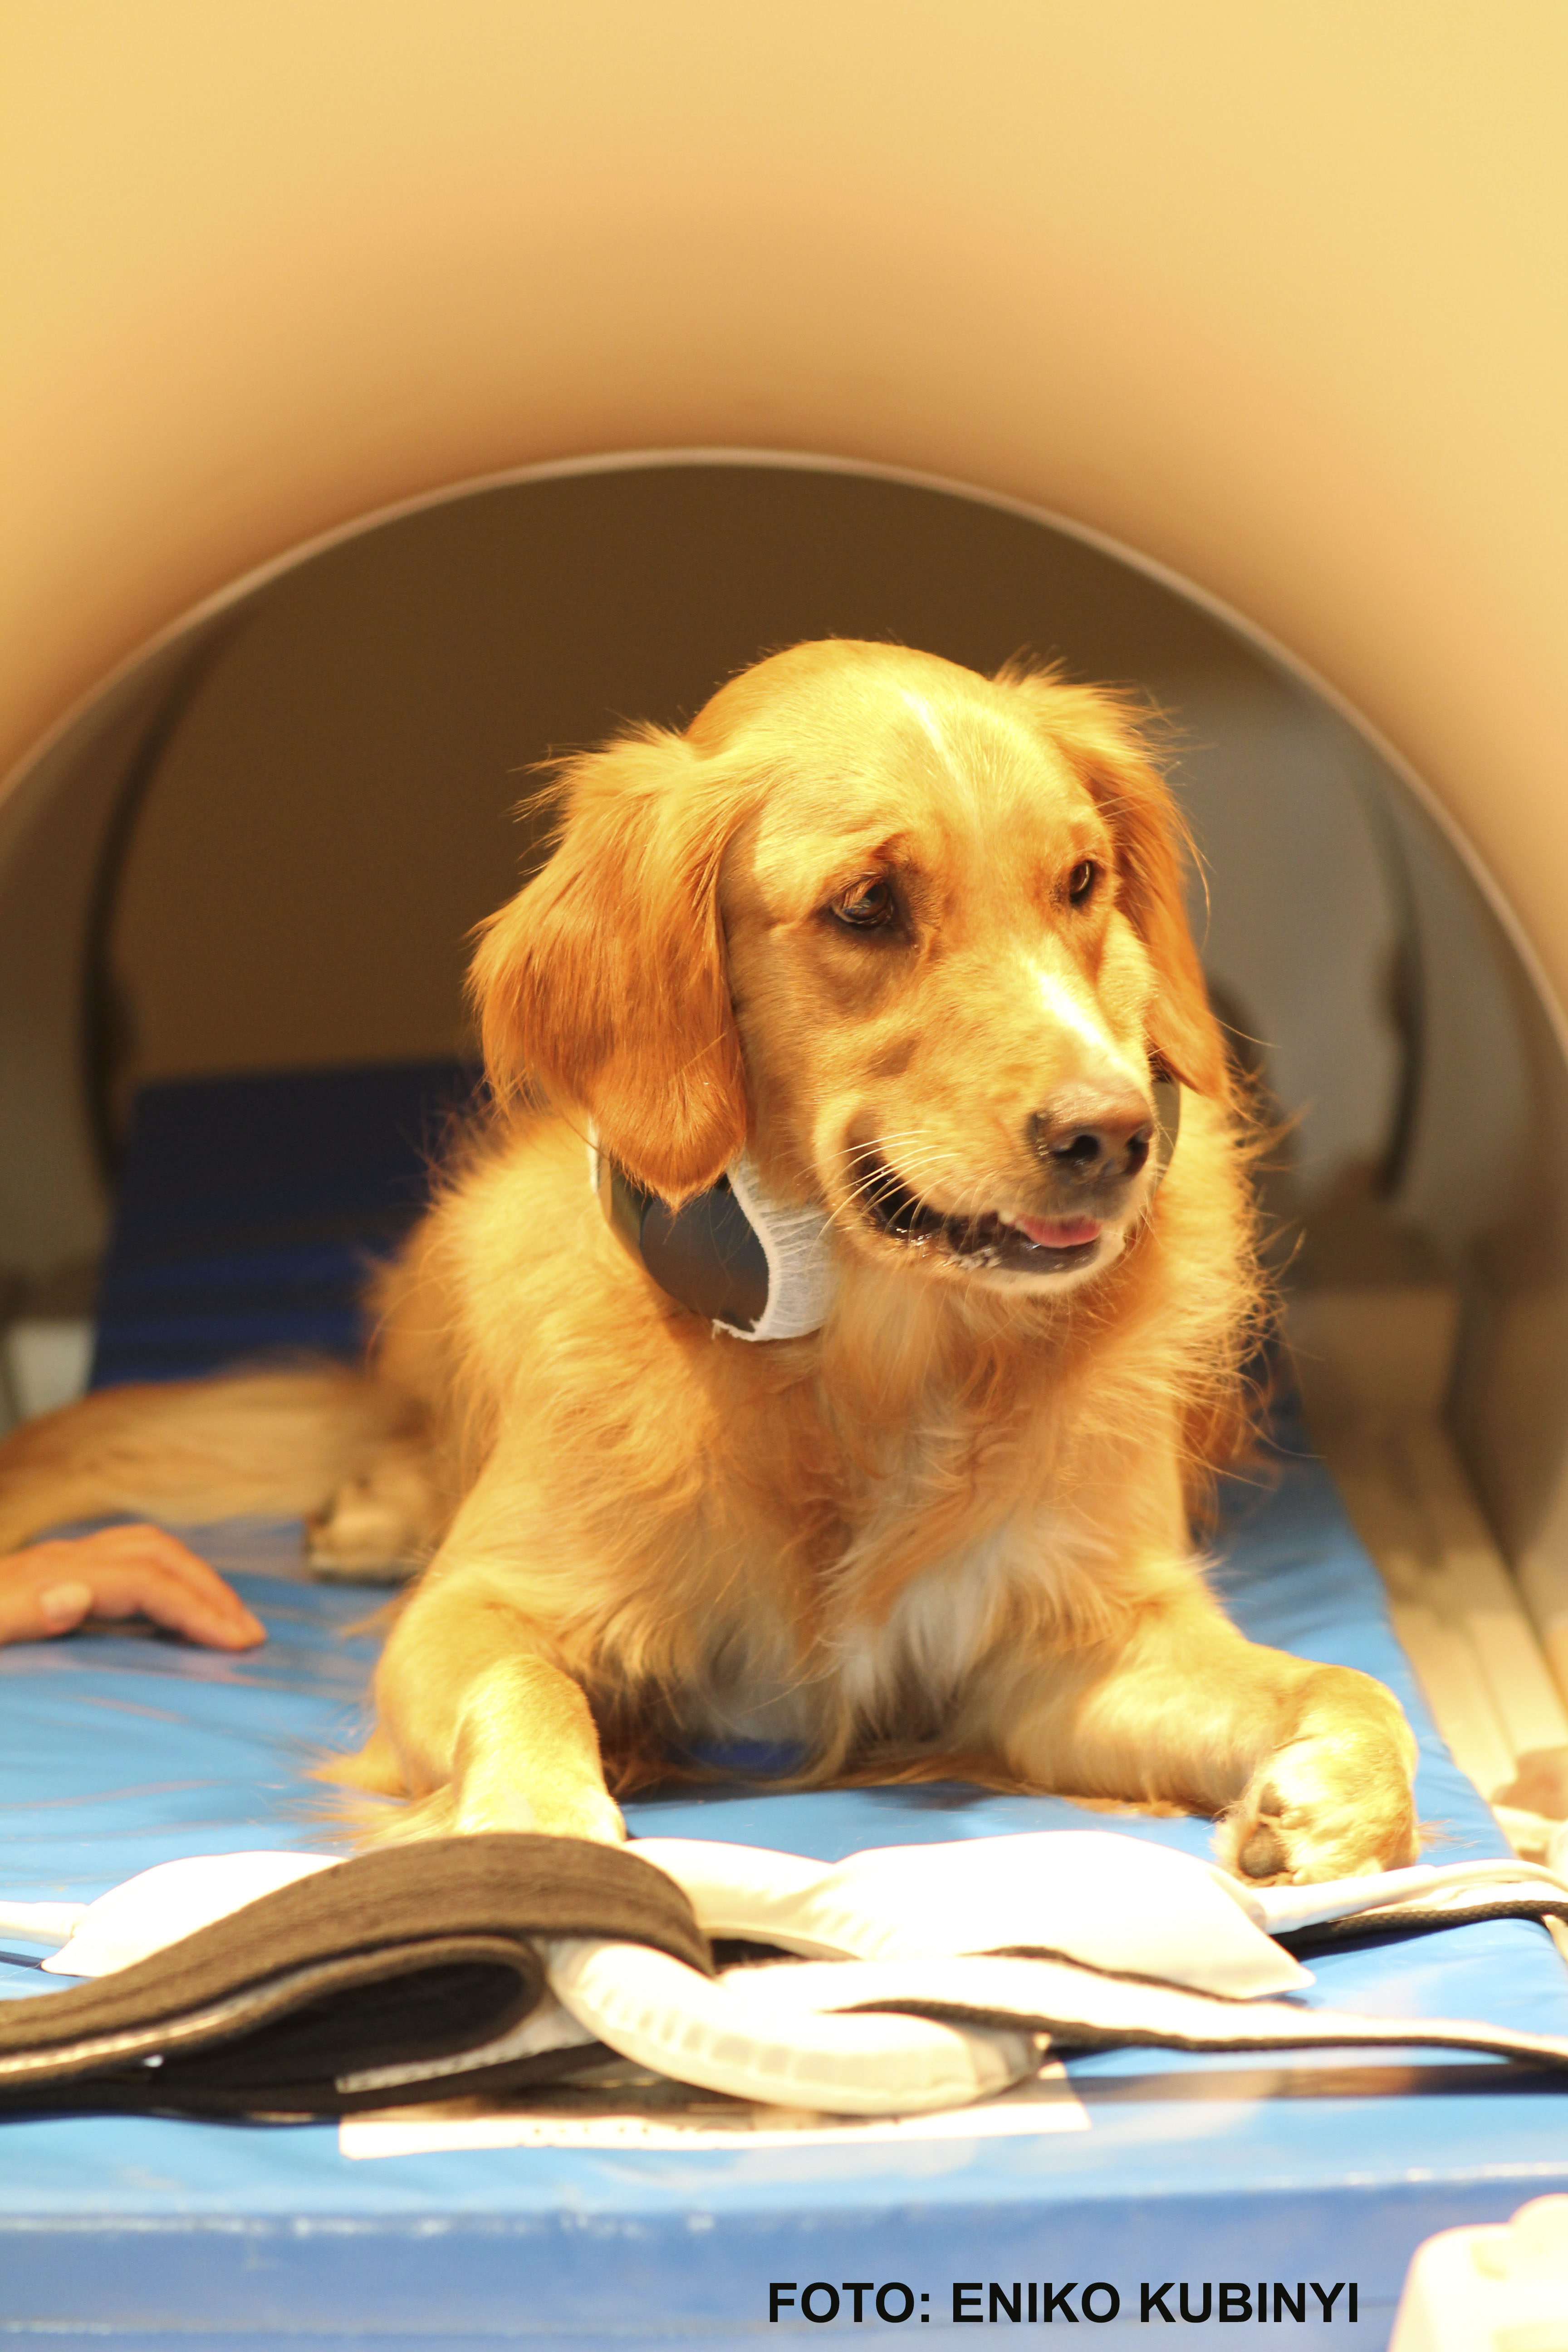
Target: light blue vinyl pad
(119, 1750)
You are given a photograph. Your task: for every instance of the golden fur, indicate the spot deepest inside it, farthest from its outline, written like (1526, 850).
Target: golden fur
(949, 1531)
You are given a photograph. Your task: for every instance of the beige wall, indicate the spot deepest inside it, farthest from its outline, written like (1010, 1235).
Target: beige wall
(1275, 292)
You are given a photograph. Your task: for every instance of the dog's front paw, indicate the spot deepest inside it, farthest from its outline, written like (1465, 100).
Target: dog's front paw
(1334, 1802)
(376, 1529)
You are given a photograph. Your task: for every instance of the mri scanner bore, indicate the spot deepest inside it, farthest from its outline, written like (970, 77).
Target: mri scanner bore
(263, 850)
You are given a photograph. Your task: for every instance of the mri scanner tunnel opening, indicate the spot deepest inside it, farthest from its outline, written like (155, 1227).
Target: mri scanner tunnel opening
(263, 847)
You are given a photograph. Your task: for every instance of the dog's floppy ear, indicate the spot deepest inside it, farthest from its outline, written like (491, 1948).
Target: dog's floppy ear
(1100, 734)
(603, 983)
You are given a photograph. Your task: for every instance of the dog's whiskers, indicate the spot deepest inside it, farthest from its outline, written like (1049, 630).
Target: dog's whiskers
(880, 1177)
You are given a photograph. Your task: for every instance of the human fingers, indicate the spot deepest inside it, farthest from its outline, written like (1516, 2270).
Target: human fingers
(150, 1549)
(121, 1572)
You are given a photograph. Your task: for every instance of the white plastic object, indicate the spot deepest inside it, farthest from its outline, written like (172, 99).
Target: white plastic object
(1501, 2288)
(47, 1360)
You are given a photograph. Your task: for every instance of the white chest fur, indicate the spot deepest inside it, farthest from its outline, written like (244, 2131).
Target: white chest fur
(934, 1637)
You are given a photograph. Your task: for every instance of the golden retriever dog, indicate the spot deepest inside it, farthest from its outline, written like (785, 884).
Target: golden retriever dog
(912, 941)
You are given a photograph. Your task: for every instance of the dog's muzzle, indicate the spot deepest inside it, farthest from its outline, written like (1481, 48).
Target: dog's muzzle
(760, 1269)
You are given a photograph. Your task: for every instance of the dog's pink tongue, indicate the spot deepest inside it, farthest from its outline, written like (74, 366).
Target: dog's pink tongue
(1059, 1232)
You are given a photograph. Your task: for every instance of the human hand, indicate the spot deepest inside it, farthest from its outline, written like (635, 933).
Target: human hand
(129, 1571)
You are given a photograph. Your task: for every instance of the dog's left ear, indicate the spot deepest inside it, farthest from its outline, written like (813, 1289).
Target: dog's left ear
(1101, 738)
(602, 985)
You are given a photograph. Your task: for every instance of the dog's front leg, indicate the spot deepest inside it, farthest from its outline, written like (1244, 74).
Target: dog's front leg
(1309, 1767)
(469, 1703)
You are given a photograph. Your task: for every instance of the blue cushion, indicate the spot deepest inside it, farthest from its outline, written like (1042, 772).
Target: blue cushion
(249, 1211)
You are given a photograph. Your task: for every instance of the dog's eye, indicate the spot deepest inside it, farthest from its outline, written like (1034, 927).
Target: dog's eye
(868, 906)
(1081, 881)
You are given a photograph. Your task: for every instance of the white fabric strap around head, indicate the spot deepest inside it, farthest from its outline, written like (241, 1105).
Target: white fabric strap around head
(802, 1273)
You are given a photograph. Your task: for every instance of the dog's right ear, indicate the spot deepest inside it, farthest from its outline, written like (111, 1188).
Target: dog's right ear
(602, 981)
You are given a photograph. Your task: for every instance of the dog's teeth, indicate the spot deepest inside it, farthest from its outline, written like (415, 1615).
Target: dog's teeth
(978, 1241)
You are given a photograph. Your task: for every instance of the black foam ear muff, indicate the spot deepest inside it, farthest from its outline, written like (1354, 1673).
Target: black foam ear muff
(707, 1255)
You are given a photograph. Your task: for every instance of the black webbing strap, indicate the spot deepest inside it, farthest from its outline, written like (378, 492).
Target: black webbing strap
(406, 1953)
(1373, 1926)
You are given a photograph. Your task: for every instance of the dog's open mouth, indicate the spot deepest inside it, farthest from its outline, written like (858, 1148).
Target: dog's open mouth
(1013, 1245)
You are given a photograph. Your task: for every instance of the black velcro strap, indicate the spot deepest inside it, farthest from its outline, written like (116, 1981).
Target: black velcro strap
(407, 1953)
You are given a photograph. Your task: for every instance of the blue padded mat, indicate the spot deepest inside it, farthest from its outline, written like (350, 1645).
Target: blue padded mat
(118, 1751)
(249, 1209)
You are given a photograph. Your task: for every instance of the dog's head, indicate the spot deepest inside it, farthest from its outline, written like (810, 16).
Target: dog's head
(917, 935)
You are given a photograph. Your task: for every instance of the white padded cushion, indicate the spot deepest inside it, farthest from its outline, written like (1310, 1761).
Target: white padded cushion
(1113, 1902)
(171, 1900)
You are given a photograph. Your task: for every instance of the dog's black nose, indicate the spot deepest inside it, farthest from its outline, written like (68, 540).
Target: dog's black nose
(1093, 1141)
